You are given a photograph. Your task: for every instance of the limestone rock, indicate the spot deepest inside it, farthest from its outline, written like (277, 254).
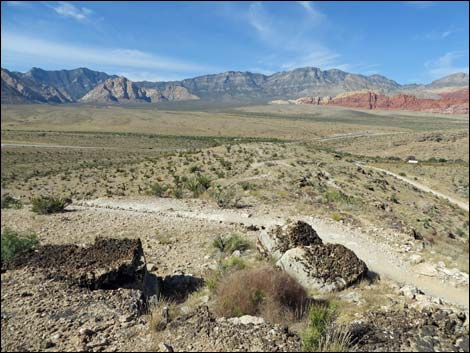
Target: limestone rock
(276, 241)
(327, 268)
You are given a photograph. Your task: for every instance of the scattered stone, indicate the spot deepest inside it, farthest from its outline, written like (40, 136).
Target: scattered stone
(201, 331)
(246, 320)
(163, 347)
(352, 297)
(151, 267)
(409, 291)
(416, 259)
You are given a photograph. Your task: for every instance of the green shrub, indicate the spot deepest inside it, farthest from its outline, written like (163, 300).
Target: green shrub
(228, 244)
(14, 243)
(338, 197)
(226, 198)
(158, 190)
(195, 169)
(198, 184)
(49, 204)
(233, 263)
(178, 192)
(320, 318)
(336, 216)
(204, 181)
(8, 201)
(246, 185)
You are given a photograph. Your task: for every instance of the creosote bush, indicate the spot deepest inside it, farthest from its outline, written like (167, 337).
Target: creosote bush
(13, 243)
(265, 292)
(226, 197)
(8, 201)
(49, 204)
(158, 190)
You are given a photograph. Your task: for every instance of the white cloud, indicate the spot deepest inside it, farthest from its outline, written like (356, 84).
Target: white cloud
(292, 40)
(17, 3)
(435, 35)
(67, 9)
(259, 19)
(314, 14)
(15, 47)
(446, 64)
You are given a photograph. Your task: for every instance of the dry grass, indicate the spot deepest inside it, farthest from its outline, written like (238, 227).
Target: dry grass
(264, 292)
(160, 314)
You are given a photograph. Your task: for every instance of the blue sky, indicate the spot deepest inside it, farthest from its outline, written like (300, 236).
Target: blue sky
(407, 41)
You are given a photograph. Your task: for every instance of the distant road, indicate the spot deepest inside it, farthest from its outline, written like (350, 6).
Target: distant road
(345, 136)
(48, 146)
(422, 187)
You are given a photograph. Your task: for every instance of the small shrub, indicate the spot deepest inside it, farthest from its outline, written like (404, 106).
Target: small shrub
(245, 185)
(14, 243)
(320, 319)
(338, 197)
(226, 198)
(49, 204)
(336, 217)
(198, 184)
(228, 244)
(265, 292)
(8, 201)
(195, 169)
(160, 314)
(158, 190)
(233, 263)
(204, 181)
(394, 198)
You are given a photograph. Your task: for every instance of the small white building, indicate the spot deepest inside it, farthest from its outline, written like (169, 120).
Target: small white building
(413, 161)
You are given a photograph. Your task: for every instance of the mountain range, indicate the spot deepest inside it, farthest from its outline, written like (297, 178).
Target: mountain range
(88, 86)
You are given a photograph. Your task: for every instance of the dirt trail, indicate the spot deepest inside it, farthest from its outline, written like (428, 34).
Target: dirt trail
(380, 258)
(422, 187)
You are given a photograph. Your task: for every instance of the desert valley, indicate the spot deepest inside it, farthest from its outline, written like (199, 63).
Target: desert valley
(298, 210)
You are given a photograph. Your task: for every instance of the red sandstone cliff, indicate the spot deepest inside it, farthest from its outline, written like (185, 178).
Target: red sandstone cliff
(456, 102)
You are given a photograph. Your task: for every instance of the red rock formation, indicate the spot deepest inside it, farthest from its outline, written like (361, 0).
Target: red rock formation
(455, 102)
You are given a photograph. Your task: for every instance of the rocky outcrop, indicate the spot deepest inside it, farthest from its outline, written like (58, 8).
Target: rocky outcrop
(116, 90)
(107, 264)
(178, 93)
(431, 329)
(202, 331)
(300, 252)
(122, 90)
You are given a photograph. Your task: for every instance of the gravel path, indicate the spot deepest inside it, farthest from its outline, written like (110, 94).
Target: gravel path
(380, 258)
(422, 187)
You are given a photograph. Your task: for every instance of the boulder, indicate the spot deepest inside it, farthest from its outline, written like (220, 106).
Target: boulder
(325, 267)
(276, 241)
